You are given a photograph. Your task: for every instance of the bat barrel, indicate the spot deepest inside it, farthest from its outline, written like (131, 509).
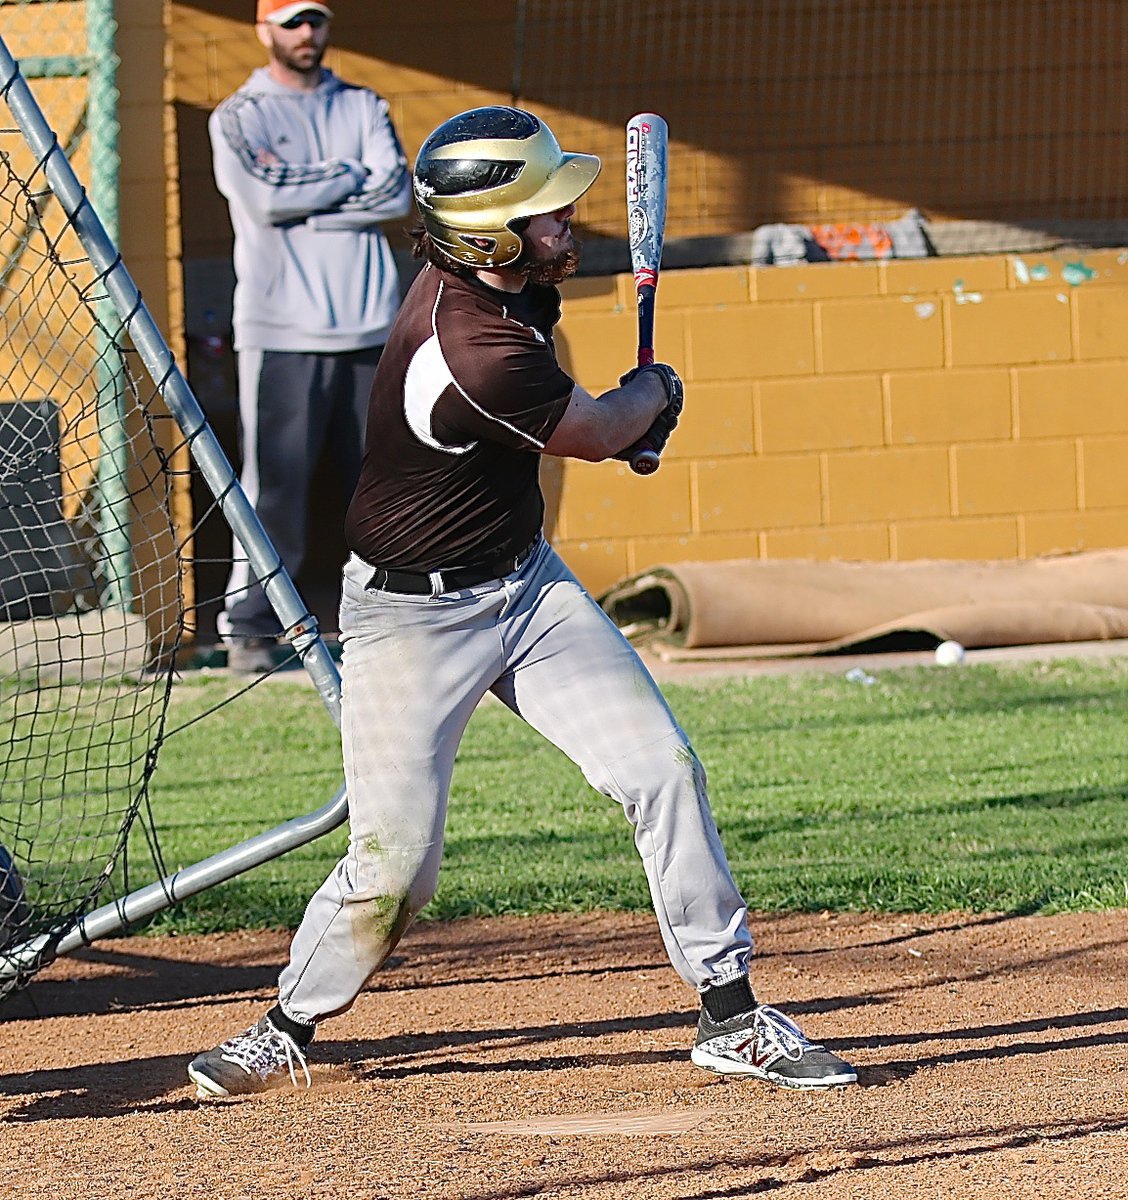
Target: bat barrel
(647, 139)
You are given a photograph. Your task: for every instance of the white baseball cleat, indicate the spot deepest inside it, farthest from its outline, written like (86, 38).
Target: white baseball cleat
(248, 1062)
(767, 1045)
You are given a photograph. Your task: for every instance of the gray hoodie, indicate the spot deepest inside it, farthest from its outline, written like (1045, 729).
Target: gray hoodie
(309, 176)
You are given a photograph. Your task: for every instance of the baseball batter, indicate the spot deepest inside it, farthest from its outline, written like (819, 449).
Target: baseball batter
(452, 592)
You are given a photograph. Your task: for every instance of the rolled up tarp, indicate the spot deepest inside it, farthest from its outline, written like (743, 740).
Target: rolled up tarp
(750, 608)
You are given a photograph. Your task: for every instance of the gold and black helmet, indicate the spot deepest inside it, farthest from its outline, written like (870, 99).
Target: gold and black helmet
(486, 168)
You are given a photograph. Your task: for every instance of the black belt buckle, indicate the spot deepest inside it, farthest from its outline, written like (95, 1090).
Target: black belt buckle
(520, 558)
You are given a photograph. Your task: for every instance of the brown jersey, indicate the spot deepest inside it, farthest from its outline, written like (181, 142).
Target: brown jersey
(467, 393)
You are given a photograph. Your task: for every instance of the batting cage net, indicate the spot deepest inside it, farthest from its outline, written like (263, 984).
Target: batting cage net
(98, 430)
(973, 125)
(92, 600)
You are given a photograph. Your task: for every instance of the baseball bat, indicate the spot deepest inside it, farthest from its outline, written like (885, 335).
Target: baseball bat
(647, 138)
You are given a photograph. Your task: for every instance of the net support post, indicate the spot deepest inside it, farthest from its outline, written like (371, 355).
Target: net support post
(114, 535)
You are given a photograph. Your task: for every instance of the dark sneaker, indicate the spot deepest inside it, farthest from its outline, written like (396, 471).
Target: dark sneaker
(768, 1045)
(248, 1062)
(251, 656)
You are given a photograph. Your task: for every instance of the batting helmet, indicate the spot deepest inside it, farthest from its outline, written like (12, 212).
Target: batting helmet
(486, 168)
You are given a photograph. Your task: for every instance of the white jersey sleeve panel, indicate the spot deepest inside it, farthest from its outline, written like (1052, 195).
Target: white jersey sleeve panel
(428, 376)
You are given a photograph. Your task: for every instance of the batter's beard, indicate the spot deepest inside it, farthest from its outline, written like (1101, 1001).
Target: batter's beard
(552, 270)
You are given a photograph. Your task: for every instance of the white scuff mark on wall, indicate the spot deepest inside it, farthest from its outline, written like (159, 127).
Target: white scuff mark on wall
(1077, 273)
(925, 309)
(963, 297)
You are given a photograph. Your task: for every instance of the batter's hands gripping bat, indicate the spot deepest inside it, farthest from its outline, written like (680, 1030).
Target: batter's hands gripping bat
(647, 137)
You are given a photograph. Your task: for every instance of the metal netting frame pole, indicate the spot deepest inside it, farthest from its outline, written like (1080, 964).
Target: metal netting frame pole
(220, 477)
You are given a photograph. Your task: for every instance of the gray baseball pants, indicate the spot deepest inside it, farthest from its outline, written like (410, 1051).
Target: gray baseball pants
(290, 405)
(414, 668)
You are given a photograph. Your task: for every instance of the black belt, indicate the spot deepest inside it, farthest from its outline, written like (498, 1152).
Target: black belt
(435, 583)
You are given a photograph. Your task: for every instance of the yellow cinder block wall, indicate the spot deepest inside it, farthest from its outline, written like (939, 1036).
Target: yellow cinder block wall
(942, 407)
(38, 358)
(929, 408)
(149, 217)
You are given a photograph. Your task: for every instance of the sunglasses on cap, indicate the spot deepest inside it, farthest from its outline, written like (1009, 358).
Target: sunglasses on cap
(312, 18)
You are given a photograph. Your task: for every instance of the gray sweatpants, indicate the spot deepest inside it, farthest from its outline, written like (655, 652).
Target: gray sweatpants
(290, 406)
(414, 668)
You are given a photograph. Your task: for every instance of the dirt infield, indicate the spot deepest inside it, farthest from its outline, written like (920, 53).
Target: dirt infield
(505, 1058)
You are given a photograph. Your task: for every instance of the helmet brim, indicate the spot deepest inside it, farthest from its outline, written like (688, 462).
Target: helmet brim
(576, 173)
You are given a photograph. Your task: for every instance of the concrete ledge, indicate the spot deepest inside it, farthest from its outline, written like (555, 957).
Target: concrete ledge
(103, 644)
(951, 239)
(209, 283)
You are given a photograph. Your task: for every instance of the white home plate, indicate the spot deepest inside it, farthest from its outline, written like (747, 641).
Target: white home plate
(599, 1124)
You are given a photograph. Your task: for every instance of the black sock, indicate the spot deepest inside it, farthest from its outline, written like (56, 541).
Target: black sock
(298, 1030)
(725, 1000)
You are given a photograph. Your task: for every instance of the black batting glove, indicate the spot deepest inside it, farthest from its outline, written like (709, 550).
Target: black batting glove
(656, 437)
(671, 380)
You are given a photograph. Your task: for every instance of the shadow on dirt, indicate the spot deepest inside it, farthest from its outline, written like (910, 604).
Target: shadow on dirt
(1032, 966)
(108, 1090)
(917, 931)
(395, 1058)
(890, 1072)
(96, 1090)
(137, 981)
(391, 1058)
(119, 977)
(147, 983)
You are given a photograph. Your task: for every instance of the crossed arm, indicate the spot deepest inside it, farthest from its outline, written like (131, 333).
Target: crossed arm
(334, 193)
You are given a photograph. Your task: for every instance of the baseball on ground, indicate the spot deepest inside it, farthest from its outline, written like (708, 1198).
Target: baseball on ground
(949, 653)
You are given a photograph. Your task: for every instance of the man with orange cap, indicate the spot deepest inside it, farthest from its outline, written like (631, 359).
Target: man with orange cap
(310, 166)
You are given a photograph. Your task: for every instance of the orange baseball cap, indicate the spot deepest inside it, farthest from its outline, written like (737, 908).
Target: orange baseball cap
(278, 12)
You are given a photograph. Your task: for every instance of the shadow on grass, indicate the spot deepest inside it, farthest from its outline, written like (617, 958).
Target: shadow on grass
(740, 830)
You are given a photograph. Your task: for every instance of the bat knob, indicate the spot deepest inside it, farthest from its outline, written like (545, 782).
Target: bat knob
(645, 462)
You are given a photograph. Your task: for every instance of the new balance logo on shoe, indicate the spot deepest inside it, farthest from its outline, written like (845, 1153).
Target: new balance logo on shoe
(756, 1054)
(767, 1045)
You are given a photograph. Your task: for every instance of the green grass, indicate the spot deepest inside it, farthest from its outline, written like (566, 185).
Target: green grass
(989, 788)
